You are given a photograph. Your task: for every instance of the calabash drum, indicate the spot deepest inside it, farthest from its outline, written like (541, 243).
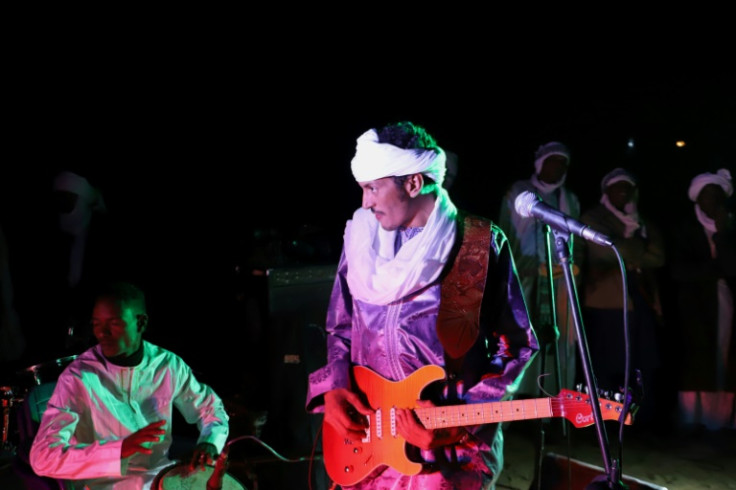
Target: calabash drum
(182, 477)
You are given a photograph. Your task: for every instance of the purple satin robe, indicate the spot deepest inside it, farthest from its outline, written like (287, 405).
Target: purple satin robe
(395, 340)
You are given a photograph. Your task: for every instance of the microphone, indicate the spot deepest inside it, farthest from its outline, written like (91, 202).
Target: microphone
(215, 480)
(528, 204)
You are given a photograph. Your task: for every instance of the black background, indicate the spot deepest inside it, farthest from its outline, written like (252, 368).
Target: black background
(205, 139)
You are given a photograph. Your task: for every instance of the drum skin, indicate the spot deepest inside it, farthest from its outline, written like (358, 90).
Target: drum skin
(181, 476)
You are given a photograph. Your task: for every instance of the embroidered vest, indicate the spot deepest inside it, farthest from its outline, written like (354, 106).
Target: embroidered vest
(461, 294)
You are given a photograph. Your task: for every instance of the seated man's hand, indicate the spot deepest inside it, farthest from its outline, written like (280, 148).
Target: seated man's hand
(141, 441)
(204, 454)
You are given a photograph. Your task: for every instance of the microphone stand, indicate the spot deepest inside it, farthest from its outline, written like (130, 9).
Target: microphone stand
(550, 335)
(554, 328)
(612, 467)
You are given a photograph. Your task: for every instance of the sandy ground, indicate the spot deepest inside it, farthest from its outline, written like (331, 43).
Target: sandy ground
(673, 461)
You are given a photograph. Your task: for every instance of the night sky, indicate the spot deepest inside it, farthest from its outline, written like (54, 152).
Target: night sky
(194, 158)
(243, 153)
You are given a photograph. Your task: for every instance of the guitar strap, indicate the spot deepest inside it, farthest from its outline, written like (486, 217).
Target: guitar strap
(461, 293)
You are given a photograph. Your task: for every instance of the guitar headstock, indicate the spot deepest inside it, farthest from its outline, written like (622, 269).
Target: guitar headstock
(577, 408)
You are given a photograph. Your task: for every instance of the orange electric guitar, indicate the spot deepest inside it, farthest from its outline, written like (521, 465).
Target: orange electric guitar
(348, 462)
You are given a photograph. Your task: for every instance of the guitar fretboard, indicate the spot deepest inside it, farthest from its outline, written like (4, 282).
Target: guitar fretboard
(484, 413)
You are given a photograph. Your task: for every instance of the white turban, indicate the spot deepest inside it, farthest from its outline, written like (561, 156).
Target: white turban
(547, 150)
(76, 184)
(77, 221)
(374, 160)
(630, 214)
(721, 178)
(89, 201)
(617, 175)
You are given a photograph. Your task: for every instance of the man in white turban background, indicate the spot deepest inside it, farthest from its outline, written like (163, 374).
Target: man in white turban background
(528, 239)
(640, 243)
(418, 284)
(704, 270)
(73, 250)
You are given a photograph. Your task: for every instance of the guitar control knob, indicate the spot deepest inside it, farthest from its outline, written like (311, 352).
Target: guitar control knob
(349, 469)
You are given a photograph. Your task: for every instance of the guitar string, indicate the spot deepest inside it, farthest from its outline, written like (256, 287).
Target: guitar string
(518, 410)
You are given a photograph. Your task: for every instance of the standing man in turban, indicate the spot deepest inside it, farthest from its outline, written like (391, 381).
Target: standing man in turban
(528, 241)
(80, 207)
(704, 269)
(72, 246)
(641, 245)
(419, 284)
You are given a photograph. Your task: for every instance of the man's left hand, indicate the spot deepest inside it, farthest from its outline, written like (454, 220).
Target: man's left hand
(411, 429)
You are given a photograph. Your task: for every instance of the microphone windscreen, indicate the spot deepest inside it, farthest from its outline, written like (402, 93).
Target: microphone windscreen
(524, 203)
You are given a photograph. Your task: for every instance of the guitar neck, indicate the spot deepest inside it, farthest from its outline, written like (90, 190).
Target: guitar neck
(484, 413)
